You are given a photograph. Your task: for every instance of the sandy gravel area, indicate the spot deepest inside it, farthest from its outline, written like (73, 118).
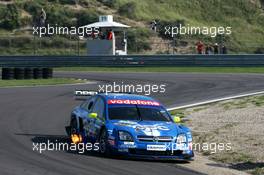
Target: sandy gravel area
(229, 135)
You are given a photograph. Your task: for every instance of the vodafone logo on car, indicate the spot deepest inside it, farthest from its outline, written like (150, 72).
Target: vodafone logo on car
(134, 102)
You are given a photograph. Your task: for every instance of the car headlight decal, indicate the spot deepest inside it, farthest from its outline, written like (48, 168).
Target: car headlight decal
(181, 139)
(124, 136)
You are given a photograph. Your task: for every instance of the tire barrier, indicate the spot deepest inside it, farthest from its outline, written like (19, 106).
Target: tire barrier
(29, 73)
(26, 73)
(47, 73)
(37, 72)
(19, 73)
(7, 73)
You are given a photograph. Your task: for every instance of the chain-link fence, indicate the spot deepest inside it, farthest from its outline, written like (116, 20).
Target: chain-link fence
(27, 44)
(34, 45)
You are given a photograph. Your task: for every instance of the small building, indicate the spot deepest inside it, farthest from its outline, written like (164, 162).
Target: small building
(101, 45)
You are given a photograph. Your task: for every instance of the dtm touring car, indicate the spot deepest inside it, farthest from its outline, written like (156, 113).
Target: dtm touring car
(130, 125)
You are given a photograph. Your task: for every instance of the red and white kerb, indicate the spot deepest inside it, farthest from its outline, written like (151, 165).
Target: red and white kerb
(133, 102)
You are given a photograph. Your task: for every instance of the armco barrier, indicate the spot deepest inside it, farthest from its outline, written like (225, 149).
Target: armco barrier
(132, 60)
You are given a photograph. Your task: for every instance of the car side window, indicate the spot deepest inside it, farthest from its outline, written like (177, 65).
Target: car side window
(99, 108)
(88, 105)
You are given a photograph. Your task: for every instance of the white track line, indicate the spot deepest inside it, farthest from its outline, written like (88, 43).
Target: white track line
(215, 100)
(47, 85)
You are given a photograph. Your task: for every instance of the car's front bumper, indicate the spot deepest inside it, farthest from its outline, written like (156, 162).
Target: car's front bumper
(164, 155)
(140, 151)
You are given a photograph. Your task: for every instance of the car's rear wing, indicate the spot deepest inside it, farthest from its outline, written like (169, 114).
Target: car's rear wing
(84, 94)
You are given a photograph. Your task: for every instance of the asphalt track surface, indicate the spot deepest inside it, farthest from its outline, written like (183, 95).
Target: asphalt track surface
(39, 114)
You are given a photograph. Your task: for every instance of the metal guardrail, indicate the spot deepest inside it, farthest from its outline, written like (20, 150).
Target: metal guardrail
(133, 60)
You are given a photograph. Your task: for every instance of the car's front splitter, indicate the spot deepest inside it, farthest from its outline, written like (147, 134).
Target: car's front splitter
(151, 155)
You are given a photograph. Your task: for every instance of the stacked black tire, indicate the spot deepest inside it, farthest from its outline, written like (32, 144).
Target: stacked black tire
(26, 73)
(47, 73)
(37, 73)
(8, 73)
(19, 73)
(29, 73)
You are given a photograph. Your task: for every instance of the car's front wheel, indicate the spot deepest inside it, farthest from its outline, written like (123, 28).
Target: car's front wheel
(74, 126)
(103, 143)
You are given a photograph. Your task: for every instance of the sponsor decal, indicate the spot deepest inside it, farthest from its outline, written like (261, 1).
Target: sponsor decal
(126, 123)
(189, 136)
(134, 102)
(110, 131)
(129, 143)
(151, 127)
(122, 149)
(84, 93)
(149, 130)
(111, 142)
(156, 147)
(126, 146)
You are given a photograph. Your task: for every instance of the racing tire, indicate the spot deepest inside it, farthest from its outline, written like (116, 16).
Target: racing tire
(29, 73)
(19, 73)
(37, 72)
(7, 73)
(103, 143)
(73, 126)
(47, 73)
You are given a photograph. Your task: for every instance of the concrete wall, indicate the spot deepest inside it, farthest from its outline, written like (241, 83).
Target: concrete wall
(100, 47)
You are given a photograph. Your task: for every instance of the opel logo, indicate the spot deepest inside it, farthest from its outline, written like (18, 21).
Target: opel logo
(155, 139)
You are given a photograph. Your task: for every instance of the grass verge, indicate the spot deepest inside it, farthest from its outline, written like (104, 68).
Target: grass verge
(167, 69)
(38, 82)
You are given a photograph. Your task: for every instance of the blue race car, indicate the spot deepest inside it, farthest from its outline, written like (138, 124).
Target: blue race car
(131, 125)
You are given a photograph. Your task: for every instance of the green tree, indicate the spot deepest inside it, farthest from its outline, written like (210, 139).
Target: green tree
(86, 17)
(109, 3)
(11, 17)
(128, 9)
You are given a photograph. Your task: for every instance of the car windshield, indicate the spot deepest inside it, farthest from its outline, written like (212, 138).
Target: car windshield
(138, 113)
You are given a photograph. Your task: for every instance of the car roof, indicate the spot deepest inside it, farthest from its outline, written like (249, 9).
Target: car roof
(122, 96)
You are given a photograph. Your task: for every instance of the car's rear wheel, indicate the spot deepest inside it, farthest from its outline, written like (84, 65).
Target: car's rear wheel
(103, 143)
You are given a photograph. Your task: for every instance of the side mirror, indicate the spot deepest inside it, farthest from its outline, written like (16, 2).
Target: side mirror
(176, 119)
(93, 115)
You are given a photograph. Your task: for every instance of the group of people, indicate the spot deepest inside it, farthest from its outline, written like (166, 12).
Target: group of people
(107, 35)
(210, 49)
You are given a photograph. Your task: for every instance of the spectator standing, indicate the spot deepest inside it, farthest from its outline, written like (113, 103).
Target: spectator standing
(224, 50)
(208, 50)
(216, 48)
(153, 25)
(200, 47)
(42, 18)
(110, 35)
(101, 35)
(93, 35)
